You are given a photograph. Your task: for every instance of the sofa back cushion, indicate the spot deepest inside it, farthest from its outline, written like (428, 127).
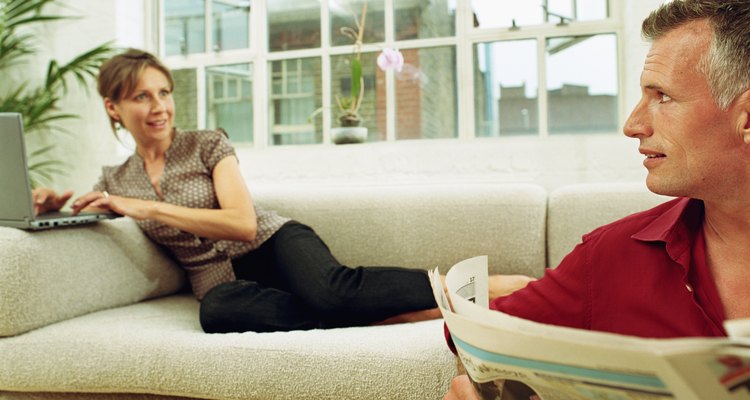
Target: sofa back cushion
(422, 226)
(58, 274)
(578, 209)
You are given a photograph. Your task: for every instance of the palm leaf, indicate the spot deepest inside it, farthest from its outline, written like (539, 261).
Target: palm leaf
(41, 151)
(13, 48)
(48, 166)
(18, 10)
(39, 103)
(44, 170)
(82, 67)
(12, 24)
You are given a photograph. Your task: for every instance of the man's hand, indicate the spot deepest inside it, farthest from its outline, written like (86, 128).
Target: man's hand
(46, 200)
(462, 389)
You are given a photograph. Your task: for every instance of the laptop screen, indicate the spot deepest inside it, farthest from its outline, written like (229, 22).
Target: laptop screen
(15, 194)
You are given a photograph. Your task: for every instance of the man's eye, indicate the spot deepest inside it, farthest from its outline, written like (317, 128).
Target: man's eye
(664, 98)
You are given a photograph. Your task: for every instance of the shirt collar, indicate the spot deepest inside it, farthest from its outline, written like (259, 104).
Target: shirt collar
(676, 227)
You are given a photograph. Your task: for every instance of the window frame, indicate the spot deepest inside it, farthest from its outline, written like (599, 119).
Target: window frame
(466, 36)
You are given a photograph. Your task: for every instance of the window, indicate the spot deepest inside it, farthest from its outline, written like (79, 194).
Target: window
(184, 27)
(506, 88)
(293, 24)
(294, 84)
(426, 94)
(269, 72)
(229, 98)
(582, 97)
(230, 24)
(535, 82)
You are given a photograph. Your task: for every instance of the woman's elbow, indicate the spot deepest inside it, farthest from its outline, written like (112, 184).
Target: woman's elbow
(248, 231)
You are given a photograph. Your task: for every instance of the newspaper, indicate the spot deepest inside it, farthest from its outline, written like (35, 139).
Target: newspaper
(559, 363)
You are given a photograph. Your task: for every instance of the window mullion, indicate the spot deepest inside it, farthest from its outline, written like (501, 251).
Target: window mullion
(464, 66)
(390, 79)
(154, 29)
(202, 94)
(542, 90)
(261, 75)
(208, 23)
(325, 69)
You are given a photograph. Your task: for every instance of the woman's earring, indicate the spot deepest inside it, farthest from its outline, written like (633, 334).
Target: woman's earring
(118, 125)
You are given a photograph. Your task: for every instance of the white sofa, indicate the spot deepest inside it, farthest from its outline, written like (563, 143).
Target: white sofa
(95, 312)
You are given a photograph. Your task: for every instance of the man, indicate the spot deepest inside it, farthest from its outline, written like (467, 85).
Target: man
(681, 268)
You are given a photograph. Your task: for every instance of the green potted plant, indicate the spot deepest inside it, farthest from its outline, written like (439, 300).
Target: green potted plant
(349, 119)
(39, 103)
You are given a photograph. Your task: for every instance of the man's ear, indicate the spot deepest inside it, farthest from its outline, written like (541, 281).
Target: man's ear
(743, 115)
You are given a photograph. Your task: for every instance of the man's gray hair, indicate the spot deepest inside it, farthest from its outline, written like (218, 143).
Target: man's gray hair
(726, 64)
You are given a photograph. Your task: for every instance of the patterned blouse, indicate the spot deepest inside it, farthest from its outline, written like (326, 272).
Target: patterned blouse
(187, 181)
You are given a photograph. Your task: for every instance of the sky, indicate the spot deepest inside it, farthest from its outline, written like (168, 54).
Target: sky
(592, 62)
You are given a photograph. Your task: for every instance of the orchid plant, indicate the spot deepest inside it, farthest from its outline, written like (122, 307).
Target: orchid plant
(389, 59)
(349, 106)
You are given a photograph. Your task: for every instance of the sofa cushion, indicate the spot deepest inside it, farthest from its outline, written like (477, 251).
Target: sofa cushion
(158, 347)
(423, 226)
(575, 210)
(53, 275)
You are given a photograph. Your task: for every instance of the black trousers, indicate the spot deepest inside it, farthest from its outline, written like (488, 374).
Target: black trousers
(293, 282)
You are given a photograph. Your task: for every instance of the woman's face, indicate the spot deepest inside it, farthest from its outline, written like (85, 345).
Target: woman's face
(147, 113)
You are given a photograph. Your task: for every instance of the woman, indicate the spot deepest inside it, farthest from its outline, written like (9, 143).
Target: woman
(252, 269)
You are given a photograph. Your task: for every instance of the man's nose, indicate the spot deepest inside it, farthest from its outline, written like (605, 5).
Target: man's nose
(639, 122)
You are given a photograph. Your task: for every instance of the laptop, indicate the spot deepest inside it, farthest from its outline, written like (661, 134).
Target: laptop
(16, 203)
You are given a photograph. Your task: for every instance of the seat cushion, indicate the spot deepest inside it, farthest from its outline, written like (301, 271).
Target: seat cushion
(158, 347)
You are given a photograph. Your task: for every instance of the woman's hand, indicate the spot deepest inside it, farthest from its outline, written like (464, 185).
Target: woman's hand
(46, 200)
(103, 201)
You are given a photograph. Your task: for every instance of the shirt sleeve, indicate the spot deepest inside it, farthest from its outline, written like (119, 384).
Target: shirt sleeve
(215, 147)
(562, 297)
(101, 185)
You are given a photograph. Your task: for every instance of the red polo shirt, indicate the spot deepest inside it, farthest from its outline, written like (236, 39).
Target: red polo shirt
(644, 275)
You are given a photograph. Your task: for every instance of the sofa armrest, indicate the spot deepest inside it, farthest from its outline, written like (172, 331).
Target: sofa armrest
(53, 275)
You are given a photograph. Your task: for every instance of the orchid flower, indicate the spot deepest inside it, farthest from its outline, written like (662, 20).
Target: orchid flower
(391, 59)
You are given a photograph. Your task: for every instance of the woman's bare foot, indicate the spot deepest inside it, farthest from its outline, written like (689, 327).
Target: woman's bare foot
(499, 285)
(503, 285)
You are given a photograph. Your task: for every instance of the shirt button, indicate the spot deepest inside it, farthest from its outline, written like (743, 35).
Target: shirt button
(688, 287)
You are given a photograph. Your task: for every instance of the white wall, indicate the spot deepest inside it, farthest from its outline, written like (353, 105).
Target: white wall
(91, 142)
(550, 161)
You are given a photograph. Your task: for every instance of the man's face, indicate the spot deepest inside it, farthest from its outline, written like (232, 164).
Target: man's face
(692, 147)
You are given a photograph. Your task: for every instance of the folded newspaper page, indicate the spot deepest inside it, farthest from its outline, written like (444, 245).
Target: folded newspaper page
(560, 363)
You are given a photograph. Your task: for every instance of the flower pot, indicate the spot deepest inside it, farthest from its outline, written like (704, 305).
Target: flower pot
(349, 134)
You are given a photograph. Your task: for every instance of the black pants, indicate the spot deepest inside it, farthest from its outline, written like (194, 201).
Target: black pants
(293, 282)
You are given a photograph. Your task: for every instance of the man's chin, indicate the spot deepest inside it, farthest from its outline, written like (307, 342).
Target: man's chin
(663, 188)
